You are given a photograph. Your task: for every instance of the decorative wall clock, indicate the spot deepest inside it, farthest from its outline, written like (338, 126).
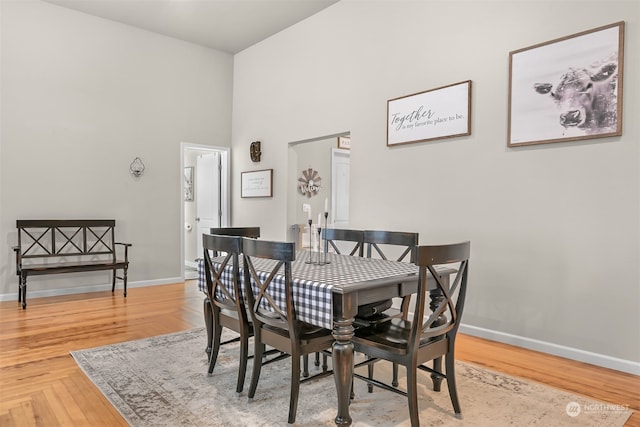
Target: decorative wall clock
(309, 183)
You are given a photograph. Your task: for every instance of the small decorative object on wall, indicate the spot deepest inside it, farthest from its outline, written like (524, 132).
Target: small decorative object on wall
(344, 142)
(567, 89)
(257, 183)
(309, 183)
(254, 151)
(438, 113)
(188, 184)
(136, 167)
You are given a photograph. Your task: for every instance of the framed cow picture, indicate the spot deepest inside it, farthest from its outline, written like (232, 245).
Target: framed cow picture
(567, 89)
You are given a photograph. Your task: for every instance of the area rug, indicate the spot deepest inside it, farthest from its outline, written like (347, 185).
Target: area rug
(163, 381)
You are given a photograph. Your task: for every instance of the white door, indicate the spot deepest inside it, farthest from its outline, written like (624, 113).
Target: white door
(207, 195)
(340, 164)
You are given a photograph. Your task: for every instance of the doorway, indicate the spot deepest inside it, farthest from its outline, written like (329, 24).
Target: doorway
(204, 198)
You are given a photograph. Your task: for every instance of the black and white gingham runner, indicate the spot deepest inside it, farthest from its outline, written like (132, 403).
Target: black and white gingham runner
(313, 284)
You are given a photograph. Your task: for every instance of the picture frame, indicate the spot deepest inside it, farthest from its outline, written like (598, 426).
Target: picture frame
(256, 183)
(443, 112)
(344, 142)
(188, 184)
(567, 89)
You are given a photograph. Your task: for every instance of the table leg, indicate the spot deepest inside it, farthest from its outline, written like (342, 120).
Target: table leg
(343, 367)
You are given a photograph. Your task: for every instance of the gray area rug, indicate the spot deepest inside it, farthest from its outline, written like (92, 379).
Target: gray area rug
(163, 381)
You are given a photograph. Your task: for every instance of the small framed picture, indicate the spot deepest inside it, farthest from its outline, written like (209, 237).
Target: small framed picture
(257, 183)
(344, 142)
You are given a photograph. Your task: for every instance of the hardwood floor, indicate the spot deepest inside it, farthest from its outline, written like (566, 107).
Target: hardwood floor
(41, 385)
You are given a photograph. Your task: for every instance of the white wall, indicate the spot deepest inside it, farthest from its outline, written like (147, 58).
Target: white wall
(554, 228)
(81, 98)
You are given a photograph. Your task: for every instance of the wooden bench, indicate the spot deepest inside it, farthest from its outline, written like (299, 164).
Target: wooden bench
(67, 246)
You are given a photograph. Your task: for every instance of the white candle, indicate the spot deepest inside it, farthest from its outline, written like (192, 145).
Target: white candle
(319, 218)
(326, 204)
(309, 213)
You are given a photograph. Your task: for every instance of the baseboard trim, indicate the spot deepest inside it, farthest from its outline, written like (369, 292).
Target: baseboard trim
(90, 288)
(597, 359)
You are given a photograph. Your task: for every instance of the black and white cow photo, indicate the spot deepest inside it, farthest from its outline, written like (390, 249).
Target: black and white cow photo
(566, 89)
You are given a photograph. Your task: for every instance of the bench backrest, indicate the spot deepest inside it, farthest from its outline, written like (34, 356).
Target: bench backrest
(61, 238)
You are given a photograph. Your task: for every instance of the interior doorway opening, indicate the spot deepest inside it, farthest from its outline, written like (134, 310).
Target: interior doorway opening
(204, 200)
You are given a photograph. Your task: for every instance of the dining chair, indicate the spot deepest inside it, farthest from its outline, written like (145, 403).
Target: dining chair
(389, 245)
(253, 232)
(353, 238)
(228, 309)
(426, 336)
(276, 324)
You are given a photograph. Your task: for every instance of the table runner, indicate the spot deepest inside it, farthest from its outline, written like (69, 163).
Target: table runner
(313, 284)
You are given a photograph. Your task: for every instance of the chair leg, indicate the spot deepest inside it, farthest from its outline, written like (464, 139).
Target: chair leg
(370, 371)
(23, 291)
(244, 356)
(305, 365)
(113, 280)
(412, 394)
(217, 337)
(394, 381)
(437, 366)
(258, 350)
(124, 281)
(317, 361)
(325, 366)
(208, 321)
(451, 383)
(295, 386)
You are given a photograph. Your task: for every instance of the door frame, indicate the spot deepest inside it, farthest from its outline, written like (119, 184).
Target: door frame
(225, 187)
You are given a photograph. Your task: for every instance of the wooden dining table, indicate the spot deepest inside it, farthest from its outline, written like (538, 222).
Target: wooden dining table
(328, 294)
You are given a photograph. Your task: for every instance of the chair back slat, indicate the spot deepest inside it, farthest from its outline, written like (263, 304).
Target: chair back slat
(216, 275)
(253, 232)
(355, 237)
(263, 286)
(383, 243)
(446, 311)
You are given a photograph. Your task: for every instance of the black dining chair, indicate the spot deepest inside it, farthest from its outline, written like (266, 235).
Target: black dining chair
(227, 303)
(428, 335)
(276, 325)
(252, 232)
(338, 239)
(389, 245)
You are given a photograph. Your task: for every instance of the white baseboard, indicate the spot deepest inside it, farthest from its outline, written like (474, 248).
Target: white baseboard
(602, 360)
(91, 288)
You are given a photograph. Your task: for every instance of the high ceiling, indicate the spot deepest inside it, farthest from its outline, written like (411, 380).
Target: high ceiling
(227, 25)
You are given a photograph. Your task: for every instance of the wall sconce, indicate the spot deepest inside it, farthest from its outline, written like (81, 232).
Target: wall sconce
(136, 167)
(254, 151)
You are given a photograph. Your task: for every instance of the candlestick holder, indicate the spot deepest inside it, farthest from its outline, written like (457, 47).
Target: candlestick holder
(325, 247)
(319, 262)
(310, 242)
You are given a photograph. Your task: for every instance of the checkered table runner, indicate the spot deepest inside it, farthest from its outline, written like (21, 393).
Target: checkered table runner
(313, 284)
